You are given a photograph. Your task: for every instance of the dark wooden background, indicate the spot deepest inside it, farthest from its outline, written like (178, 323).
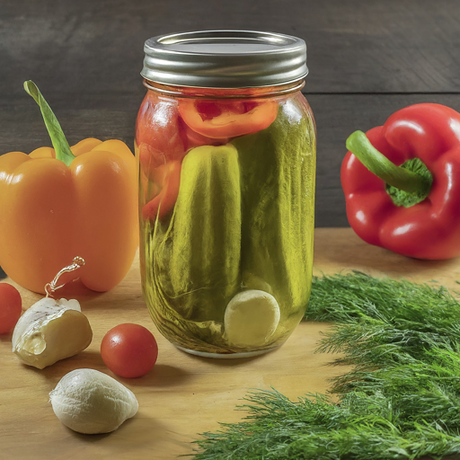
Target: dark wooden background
(367, 59)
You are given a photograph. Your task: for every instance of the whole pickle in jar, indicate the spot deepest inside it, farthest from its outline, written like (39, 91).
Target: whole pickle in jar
(194, 264)
(277, 168)
(205, 248)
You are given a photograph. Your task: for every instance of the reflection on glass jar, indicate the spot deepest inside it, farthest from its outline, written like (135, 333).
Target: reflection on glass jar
(226, 203)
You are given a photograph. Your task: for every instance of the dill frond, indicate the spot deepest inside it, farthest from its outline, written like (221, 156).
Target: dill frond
(401, 400)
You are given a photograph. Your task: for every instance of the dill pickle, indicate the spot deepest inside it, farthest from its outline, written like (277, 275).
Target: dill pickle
(194, 266)
(277, 168)
(205, 251)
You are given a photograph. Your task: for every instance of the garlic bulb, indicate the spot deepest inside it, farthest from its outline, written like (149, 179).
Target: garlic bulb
(251, 317)
(51, 330)
(90, 402)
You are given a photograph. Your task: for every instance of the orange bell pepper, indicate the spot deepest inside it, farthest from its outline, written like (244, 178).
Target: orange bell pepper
(59, 203)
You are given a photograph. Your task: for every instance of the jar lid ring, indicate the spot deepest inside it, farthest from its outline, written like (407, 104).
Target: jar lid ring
(225, 59)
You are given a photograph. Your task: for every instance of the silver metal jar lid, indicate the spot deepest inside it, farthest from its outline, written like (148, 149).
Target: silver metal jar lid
(225, 59)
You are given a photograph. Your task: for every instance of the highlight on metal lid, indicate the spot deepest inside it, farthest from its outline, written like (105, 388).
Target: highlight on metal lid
(225, 59)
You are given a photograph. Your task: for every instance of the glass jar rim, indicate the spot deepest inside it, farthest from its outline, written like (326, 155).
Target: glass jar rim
(224, 93)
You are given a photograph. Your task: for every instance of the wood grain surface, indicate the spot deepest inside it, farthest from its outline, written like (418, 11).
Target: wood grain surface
(183, 395)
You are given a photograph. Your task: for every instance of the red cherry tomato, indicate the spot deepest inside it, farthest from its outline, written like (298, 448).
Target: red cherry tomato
(129, 350)
(227, 118)
(10, 307)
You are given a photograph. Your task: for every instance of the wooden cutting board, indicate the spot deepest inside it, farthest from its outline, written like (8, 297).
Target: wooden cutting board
(183, 395)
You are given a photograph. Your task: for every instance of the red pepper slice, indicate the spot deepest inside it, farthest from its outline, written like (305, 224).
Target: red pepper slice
(227, 118)
(192, 139)
(167, 177)
(158, 126)
(429, 229)
(150, 159)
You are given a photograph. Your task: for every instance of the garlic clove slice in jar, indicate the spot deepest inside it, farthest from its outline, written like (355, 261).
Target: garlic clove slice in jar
(251, 318)
(91, 402)
(51, 330)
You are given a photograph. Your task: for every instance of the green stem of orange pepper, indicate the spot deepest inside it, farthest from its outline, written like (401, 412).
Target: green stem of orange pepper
(58, 139)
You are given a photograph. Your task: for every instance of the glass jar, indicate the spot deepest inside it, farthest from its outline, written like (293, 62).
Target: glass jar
(226, 144)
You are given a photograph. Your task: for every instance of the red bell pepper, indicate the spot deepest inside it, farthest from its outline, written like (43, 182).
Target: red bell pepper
(409, 206)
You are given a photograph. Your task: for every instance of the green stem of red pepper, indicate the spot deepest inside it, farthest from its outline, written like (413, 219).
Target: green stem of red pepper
(57, 136)
(377, 163)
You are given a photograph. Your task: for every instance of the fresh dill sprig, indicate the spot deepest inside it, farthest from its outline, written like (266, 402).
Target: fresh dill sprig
(401, 400)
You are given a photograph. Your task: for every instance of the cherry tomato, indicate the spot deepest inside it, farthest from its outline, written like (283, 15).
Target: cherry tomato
(129, 350)
(227, 118)
(10, 307)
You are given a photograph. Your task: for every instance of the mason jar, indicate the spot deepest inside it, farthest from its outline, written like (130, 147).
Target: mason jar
(226, 144)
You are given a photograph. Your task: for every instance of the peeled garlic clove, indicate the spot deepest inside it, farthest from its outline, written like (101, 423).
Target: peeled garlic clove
(51, 330)
(251, 318)
(90, 402)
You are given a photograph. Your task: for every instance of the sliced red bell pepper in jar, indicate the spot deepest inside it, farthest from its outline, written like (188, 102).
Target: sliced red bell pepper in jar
(219, 119)
(158, 127)
(193, 139)
(167, 178)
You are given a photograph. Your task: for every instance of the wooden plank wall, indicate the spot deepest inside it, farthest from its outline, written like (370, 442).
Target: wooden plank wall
(366, 58)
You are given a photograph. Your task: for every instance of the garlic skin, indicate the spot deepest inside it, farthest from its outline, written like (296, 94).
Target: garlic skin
(251, 318)
(88, 401)
(51, 330)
